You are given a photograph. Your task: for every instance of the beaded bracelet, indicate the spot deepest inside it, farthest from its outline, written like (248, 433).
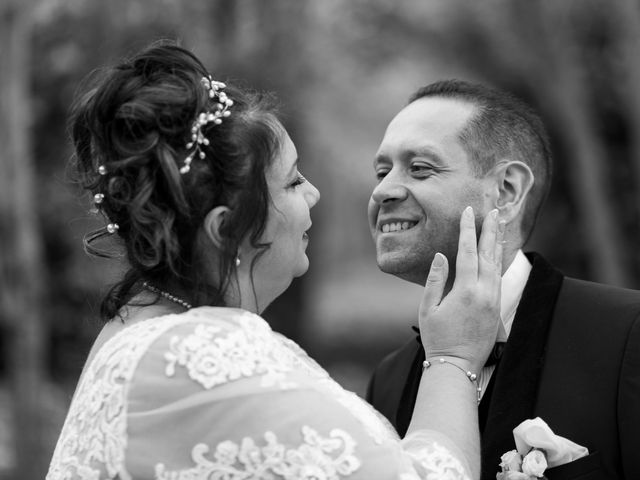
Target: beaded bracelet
(473, 378)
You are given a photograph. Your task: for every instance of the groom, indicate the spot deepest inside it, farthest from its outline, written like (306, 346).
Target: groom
(571, 351)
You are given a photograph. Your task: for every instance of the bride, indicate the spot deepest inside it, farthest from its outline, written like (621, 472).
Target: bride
(199, 183)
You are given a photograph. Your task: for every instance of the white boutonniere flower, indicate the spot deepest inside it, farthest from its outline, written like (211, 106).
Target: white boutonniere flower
(534, 463)
(537, 448)
(511, 461)
(516, 467)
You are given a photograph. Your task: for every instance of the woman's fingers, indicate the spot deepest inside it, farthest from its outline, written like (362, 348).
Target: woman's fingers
(436, 280)
(481, 262)
(498, 249)
(464, 323)
(467, 258)
(487, 247)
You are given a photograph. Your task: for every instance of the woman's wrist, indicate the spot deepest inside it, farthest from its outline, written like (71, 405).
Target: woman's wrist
(462, 363)
(455, 363)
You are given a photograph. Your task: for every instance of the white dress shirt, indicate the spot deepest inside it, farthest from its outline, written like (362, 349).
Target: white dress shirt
(513, 282)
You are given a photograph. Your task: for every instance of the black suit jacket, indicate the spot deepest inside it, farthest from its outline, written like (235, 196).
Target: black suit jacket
(573, 359)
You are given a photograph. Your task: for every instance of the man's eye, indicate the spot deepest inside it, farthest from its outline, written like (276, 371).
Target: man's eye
(380, 174)
(421, 169)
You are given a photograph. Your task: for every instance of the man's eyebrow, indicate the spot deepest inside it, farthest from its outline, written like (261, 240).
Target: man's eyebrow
(409, 153)
(423, 152)
(380, 157)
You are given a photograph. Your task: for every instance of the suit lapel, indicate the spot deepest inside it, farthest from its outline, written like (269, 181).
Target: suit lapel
(483, 408)
(410, 390)
(516, 378)
(392, 384)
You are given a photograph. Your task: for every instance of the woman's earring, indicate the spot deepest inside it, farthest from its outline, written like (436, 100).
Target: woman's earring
(237, 261)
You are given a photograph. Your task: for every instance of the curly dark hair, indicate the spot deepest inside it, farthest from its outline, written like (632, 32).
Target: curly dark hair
(135, 120)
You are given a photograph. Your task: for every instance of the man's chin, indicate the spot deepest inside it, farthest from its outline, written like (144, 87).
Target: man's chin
(403, 269)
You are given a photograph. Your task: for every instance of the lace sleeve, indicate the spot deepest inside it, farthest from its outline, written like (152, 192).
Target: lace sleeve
(432, 456)
(227, 399)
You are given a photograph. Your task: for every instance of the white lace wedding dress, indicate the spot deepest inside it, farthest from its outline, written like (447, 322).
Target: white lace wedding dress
(215, 394)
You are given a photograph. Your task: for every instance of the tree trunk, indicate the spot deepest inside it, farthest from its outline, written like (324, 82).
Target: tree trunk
(21, 265)
(567, 92)
(628, 39)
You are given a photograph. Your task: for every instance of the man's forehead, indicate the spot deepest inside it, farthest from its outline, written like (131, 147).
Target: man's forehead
(438, 110)
(426, 122)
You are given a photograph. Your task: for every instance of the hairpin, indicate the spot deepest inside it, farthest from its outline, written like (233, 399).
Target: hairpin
(223, 103)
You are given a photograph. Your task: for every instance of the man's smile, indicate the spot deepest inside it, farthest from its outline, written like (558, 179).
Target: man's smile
(394, 225)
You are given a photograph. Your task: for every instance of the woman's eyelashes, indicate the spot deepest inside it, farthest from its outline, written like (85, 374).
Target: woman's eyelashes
(299, 180)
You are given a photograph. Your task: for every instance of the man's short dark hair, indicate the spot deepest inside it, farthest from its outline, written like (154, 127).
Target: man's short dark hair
(503, 127)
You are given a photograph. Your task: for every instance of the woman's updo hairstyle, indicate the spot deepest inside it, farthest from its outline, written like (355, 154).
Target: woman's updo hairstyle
(130, 132)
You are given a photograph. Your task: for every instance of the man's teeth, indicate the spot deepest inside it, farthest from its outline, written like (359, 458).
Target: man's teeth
(396, 227)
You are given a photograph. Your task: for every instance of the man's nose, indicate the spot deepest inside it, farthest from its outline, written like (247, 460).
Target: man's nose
(390, 189)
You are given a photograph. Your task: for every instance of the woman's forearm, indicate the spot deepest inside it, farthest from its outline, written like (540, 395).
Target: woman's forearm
(447, 404)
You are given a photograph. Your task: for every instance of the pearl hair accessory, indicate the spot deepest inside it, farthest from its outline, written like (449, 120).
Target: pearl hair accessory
(221, 110)
(98, 198)
(167, 295)
(473, 378)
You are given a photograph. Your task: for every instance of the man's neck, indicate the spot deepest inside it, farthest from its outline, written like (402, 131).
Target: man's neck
(508, 255)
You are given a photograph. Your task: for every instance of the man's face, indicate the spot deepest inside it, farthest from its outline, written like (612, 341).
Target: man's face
(424, 183)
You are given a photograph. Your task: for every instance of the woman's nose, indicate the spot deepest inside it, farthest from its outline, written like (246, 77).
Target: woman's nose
(312, 195)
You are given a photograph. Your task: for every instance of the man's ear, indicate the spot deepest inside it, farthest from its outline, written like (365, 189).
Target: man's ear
(214, 222)
(515, 180)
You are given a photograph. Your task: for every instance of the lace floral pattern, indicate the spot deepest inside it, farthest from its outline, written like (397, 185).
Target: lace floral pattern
(437, 463)
(213, 356)
(318, 458)
(94, 436)
(217, 346)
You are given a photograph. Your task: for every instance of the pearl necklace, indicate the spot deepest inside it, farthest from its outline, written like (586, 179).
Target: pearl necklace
(167, 295)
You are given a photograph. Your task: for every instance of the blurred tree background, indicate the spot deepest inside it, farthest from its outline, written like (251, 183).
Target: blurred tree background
(342, 69)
